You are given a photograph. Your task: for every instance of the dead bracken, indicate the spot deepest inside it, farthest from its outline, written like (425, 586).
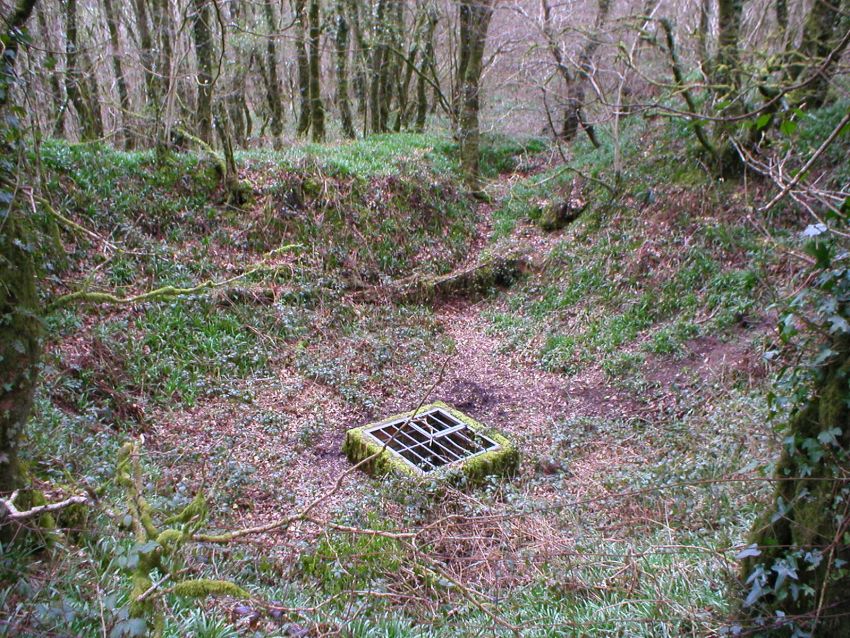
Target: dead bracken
(435, 439)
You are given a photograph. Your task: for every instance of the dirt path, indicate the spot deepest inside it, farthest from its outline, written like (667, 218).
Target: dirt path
(509, 394)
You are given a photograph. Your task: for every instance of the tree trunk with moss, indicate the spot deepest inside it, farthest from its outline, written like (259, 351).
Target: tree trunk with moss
(341, 49)
(73, 77)
(377, 61)
(60, 107)
(802, 539)
(390, 69)
(317, 108)
(303, 64)
(204, 54)
(820, 51)
(427, 62)
(20, 327)
(726, 66)
(475, 21)
(20, 339)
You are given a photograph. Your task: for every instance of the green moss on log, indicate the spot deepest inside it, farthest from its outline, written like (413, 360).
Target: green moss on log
(203, 587)
(470, 282)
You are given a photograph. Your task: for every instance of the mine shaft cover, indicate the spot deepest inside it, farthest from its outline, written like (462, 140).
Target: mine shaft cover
(431, 440)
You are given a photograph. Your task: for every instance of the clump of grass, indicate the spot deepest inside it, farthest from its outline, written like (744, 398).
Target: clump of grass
(340, 563)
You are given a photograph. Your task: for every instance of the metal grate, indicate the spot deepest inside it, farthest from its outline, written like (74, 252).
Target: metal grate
(431, 440)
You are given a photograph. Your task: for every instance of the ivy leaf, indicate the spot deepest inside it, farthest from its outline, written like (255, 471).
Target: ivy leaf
(813, 230)
(830, 436)
(823, 356)
(838, 324)
(788, 127)
(749, 550)
(763, 121)
(756, 592)
(821, 252)
(783, 571)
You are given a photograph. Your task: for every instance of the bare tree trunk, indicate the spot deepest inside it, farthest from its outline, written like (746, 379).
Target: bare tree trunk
(782, 19)
(576, 83)
(341, 42)
(270, 76)
(477, 22)
(317, 109)
(404, 111)
(146, 51)
(118, 70)
(203, 50)
(703, 33)
(303, 63)
(360, 58)
(92, 94)
(59, 102)
(73, 77)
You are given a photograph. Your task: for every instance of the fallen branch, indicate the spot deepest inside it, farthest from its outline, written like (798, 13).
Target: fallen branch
(9, 512)
(472, 281)
(159, 294)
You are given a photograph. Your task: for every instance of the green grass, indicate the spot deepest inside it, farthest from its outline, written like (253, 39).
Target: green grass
(373, 156)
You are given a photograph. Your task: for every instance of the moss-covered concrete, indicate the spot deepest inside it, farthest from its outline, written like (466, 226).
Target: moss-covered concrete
(504, 461)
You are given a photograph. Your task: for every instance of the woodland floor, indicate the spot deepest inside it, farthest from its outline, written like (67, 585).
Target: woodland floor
(626, 364)
(479, 376)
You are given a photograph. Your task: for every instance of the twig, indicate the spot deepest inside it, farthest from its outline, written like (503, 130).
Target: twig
(8, 511)
(159, 294)
(829, 140)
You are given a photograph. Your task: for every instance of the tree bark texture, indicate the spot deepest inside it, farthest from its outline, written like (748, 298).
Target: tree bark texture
(475, 22)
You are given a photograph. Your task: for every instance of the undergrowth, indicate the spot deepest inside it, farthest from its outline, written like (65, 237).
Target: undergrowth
(634, 282)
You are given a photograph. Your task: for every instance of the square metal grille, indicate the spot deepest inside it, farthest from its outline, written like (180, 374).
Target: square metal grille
(431, 440)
